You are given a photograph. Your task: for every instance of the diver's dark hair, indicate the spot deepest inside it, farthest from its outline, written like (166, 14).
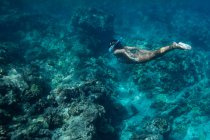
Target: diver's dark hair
(117, 44)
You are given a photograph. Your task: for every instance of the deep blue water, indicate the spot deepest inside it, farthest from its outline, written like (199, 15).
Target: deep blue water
(59, 81)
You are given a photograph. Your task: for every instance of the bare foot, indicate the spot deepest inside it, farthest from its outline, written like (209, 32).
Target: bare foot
(184, 46)
(181, 45)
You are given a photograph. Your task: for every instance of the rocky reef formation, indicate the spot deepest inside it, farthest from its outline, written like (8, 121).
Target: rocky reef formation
(28, 110)
(31, 108)
(172, 73)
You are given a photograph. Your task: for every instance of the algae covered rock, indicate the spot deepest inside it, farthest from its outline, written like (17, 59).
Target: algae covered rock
(81, 123)
(155, 129)
(83, 107)
(5, 117)
(171, 73)
(92, 90)
(3, 133)
(158, 126)
(54, 118)
(33, 93)
(12, 86)
(36, 128)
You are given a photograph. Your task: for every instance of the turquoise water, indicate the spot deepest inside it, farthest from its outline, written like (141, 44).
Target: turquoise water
(59, 81)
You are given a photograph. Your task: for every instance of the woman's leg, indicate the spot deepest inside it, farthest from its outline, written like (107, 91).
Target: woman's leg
(146, 55)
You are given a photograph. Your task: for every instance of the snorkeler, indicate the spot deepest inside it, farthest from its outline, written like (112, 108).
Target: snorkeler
(137, 55)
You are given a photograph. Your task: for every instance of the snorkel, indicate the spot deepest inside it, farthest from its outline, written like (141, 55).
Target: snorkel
(112, 46)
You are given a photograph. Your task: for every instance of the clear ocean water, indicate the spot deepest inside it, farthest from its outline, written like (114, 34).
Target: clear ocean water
(58, 80)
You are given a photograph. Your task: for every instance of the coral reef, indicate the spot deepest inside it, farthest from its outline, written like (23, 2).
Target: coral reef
(172, 73)
(158, 126)
(87, 108)
(94, 90)
(83, 116)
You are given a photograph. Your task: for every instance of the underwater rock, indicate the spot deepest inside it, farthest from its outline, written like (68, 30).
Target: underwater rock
(38, 87)
(171, 109)
(82, 120)
(67, 94)
(12, 87)
(158, 126)
(54, 118)
(93, 90)
(5, 117)
(86, 104)
(160, 75)
(95, 28)
(39, 106)
(33, 93)
(15, 79)
(37, 129)
(17, 109)
(3, 133)
(9, 96)
(86, 108)
(31, 74)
